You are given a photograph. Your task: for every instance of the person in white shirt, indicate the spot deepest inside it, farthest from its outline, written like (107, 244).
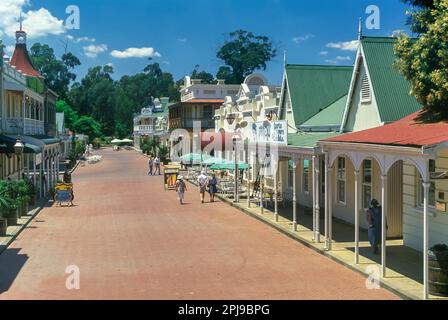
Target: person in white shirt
(202, 184)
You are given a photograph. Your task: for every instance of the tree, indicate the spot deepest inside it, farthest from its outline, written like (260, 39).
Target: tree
(88, 126)
(244, 53)
(206, 77)
(423, 61)
(71, 116)
(58, 73)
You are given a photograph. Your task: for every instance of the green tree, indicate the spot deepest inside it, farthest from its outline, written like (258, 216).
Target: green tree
(57, 72)
(244, 53)
(206, 77)
(88, 126)
(71, 116)
(424, 60)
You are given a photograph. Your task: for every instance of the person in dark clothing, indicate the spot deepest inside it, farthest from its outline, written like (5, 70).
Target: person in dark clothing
(213, 187)
(151, 166)
(374, 221)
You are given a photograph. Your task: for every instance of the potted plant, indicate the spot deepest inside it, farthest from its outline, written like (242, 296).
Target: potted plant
(10, 211)
(4, 206)
(23, 197)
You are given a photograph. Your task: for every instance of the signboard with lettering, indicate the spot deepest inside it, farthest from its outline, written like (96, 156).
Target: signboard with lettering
(269, 132)
(38, 159)
(170, 178)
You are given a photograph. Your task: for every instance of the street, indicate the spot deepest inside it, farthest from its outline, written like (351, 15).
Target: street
(132, 240)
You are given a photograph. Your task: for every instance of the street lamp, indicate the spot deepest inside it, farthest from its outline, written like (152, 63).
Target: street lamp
(236, 138)
(19, 147)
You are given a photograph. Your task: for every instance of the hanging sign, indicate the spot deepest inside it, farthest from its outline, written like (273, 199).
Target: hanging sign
(38, 159)
(270, 132)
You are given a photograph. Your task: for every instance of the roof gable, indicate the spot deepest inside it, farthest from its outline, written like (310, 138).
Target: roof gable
(314, 88)
(391, 89)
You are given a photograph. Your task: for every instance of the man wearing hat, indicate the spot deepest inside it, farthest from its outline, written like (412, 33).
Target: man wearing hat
(374, 221)
(181, 187)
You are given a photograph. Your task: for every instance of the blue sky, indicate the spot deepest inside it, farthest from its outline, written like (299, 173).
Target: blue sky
(180, 34)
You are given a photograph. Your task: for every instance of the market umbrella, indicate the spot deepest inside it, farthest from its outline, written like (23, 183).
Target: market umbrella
(196, 158)
(127, 141)
(212, 161)
(229, 165)
(116, 141)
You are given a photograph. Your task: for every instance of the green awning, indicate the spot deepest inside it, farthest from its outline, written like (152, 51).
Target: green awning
(8, 142)
(308, 140)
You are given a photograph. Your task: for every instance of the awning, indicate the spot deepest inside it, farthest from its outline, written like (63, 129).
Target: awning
(7, 145)
(12, 86)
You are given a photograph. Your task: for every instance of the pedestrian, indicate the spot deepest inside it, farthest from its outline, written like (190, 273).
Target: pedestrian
(181, 187)
(213, 187)
(202, 185)
(157, 164)
(151, 164)
(374, 221)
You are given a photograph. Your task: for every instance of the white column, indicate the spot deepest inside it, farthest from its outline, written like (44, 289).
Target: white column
(328, 204)
(294, 195)
(276, 192)
(314, 197)
(330, 208)
(383, 224)
(426, 187)
(357, 184)
(317, 203)
(249, 174)
(47, 167)
(262, 194)
(34, 170)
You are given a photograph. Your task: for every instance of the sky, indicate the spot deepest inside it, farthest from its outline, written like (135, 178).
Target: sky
(180, 34)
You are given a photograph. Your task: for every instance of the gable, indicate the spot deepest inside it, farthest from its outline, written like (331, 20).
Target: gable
(314, 88)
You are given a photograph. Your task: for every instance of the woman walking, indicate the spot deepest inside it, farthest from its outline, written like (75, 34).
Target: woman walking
(181, 187)
(213, 187)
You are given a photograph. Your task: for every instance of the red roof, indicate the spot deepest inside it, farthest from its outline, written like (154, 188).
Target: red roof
(21, 60)
(408, 132)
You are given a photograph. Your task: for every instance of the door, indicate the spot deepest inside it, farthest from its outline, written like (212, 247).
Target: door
(395, 201)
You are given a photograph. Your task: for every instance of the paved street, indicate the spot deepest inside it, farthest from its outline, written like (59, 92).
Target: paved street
(131, 240)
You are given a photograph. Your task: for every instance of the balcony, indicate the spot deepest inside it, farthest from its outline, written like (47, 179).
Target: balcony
(179, 123)
(144, 129)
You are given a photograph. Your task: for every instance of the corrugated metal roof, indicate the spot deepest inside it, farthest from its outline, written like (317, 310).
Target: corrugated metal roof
(330, 116)
(314, 88)
(308, 140)
(392, 90)
(21, 60)
(408, 132)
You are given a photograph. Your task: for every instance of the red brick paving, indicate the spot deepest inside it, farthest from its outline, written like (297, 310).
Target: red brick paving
(131, 240)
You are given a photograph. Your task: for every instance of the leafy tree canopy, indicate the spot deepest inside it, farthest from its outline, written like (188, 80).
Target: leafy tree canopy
(88, 126)
(206, 77)
(424, 61)
(58, 73)
(243, 53)
(71, 116)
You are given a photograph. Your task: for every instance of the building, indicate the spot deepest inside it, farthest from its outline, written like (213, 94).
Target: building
(152, 122)
(199, 102)
(28, 113)
(65, 136)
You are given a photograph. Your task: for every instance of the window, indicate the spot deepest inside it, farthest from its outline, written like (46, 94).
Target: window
(306, 176)
(432, 188)
(341, 180)
(366, 94)
(367, 174)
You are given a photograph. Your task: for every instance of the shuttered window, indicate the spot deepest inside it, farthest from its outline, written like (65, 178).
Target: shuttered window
(366, 93)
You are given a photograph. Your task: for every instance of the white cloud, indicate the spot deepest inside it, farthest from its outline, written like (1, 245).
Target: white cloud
(93, 51)
(135, 53)
(300, 39)
(332, 61)
(37, 23)
(323, 53)
(81, 39)
(343, 58)
(183, 40)
(345, 46)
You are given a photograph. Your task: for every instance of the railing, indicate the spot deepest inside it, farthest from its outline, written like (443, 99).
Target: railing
(144, 129)
(14, 125)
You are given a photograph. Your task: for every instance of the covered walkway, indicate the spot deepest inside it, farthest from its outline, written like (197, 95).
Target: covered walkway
(404, 267)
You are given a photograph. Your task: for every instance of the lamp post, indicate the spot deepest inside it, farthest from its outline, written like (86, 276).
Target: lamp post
(235, 140)
(19, 147)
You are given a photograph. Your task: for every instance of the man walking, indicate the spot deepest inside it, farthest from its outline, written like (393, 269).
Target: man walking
(150, 163)
(202, 183)
(157, 163)
(181, 187)
(374, 220)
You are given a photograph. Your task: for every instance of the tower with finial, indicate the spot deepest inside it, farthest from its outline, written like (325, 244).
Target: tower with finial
(360, 29)
(285, 59)
(20, 34)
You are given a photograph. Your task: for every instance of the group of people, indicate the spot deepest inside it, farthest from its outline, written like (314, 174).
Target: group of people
(154, 166)
(205, 184)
